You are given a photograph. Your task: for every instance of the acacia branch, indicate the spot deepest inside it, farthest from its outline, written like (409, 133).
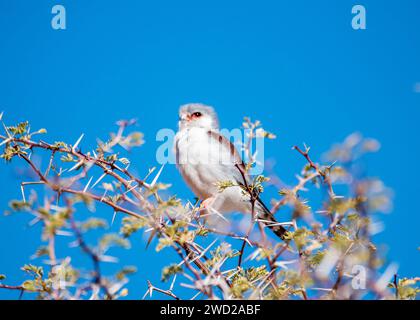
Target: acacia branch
(325, 177)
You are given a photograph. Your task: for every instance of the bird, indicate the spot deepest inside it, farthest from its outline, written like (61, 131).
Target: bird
(206, 158)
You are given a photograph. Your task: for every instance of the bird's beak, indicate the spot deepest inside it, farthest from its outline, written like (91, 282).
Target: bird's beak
(185, 117)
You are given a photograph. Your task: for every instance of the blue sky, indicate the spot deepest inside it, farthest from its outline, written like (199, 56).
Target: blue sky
(298, 66)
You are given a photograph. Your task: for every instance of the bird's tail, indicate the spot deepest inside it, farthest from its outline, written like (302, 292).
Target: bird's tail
(269, 220)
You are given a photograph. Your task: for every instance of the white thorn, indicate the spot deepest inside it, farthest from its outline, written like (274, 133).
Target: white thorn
(78, 141)
(76, 165)
(87, 185)
(131, 189)
(113, 217)
(147, 292)
(23, 193)
(5, 141)
(157, 176)
(99, 179)
(196, 295)
(103, 196)
(109, 259)
(34, 221)
(64, 233)
(172, 284)
(7, 131)
(204, 251)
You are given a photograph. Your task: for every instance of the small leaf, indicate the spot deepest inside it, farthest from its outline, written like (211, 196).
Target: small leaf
(29, 285)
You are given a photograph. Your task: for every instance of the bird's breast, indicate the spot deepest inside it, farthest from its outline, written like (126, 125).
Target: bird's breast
(199, 161)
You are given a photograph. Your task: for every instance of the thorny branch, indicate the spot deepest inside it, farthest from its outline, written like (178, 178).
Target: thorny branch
(273, 270)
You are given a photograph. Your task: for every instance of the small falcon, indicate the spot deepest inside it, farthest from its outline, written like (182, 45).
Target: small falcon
(205, 158)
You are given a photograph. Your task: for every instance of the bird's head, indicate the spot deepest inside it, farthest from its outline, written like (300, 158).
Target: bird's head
(197, 115)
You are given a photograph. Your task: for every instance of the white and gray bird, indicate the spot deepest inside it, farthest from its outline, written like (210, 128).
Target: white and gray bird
(205, 158)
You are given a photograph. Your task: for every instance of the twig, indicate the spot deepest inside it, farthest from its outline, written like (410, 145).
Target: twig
(98, 279)
(326, 178)
(166, 292)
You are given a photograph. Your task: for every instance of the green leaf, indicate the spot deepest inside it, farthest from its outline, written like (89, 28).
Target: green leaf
(38, 272)
(222, 185)
(59, 144)
(93, 223)
(19, 129)
(67, 158)
(30, 285)
(170, 270)
(17, 205)
(131, 225)
(41, 251)
(163, 243)
(202, 232)
(127, 270)
(113, 240)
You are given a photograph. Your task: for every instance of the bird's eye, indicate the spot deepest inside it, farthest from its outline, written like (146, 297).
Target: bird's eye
(197, 114)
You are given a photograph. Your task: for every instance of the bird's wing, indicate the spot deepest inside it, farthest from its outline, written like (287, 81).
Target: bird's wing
(239, 174)
(235, 157)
